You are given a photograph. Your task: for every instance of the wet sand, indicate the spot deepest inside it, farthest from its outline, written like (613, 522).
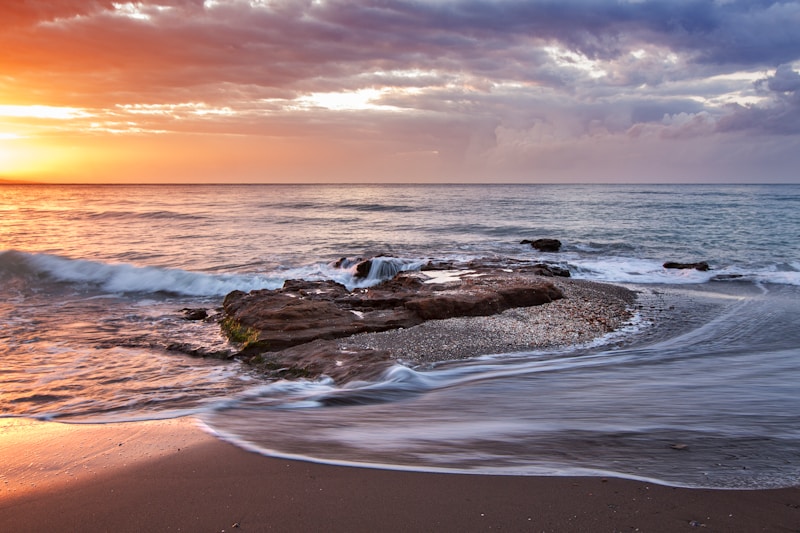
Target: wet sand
(172, 476)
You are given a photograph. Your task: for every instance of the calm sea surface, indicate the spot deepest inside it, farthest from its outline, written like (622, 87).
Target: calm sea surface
(93, 280)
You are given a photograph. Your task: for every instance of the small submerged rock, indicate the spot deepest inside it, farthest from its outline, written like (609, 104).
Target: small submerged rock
(543, 269)
(200, 351)
(544, 245)
(702, 265)
(195, 314)
(727, 277)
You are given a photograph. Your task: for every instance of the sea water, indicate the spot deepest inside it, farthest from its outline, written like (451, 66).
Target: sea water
(93, 281)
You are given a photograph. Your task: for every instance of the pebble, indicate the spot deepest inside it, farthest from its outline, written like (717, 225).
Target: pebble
(587, 311)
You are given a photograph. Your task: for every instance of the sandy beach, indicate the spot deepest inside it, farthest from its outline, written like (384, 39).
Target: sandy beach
(173, 476)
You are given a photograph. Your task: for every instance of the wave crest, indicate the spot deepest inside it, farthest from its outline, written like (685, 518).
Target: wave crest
(123, 278)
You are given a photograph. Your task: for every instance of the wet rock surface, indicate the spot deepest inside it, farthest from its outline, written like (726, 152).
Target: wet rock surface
(199, 313)
(292, 331)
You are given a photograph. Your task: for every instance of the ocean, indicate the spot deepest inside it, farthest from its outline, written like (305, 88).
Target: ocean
(94, 280)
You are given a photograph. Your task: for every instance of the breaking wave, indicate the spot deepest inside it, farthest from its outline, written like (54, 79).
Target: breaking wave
(123, 278)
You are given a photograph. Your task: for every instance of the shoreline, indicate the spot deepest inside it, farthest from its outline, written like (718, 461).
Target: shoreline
(171, 475)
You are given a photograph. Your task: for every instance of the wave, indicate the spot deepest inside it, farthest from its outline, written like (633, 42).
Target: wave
(301, 206)
(380, 269)
(108, 215)
(377, 207)
(122, 277)
(147, 215)
(128, 278)
(650, 271)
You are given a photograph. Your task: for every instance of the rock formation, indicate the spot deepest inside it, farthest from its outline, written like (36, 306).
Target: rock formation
(284, 331)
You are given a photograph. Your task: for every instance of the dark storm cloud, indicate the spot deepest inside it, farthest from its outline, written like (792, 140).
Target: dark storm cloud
(785, 80)
(780, 116)
(292, 41)
(742, 32)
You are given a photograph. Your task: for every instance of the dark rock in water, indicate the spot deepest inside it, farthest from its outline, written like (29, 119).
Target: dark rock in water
(378, 267)
(702, 265)
(200, 351)
(542, 269)
(544, 245)
(726, 277)
(363, 268)
(195, 314)
(269, 322)
(344, 262)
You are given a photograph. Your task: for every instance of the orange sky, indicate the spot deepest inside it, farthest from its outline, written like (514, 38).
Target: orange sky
(332, 91)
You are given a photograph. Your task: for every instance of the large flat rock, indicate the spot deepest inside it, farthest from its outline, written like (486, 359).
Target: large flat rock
(277, 327)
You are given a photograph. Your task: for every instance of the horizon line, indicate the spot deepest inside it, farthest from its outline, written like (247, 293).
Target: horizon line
(4, 181)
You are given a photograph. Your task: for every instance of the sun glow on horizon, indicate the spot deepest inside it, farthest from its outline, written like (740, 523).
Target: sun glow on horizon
(29, 157)
(15, 158)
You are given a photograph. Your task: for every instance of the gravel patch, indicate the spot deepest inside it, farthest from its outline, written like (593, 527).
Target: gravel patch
(588, 310)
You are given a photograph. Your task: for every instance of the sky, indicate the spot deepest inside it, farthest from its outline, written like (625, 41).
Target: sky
(555, 91)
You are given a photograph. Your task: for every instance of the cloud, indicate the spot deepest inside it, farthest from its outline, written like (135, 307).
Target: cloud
(482, 84)
(785, 80)
(280, 44)
(781, 112)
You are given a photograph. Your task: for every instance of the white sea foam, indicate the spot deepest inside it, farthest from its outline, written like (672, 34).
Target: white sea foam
(381, 269)
(124, 278)
(128, 278)
(632, 270)
(775, 275)
(648, 271)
